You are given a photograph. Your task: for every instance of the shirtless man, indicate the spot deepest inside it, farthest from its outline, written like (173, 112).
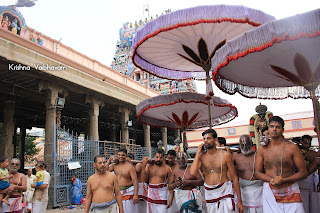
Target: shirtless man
(171, 159)
(157, 172)
(215, 164)
(186, 194)
(103, 190)
(19, 182)
(307, 186)
(275, 165)
(128, 181)
(251, 187)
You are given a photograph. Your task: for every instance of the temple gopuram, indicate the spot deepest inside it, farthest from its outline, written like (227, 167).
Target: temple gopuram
(122, 63)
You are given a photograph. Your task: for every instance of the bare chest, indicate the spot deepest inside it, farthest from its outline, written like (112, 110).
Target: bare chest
(104, 184)
(245, 163)
(156, 171)
(122, 172)
(277, 158)
(212, 164)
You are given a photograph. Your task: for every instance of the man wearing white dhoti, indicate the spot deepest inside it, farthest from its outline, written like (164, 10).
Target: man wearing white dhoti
(157, 172)
(143, 190)
(280, 164)
(216, 164)
(251, 187)
(185, 187)
(128, 181)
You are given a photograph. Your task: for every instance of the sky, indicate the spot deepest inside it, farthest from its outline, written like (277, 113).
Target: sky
(92, 28)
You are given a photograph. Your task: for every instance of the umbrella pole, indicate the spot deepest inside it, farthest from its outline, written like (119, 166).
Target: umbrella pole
(316, 114)
(209, 110)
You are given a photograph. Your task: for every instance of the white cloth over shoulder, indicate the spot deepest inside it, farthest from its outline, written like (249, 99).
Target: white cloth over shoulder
(219, 198)
(282, 200)
(157, 198)
(251, 194)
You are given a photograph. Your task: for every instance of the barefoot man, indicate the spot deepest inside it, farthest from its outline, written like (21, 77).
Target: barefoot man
(251, 187)
(215, 164)
(280, 165)
(157, 173)
(185, 186)
(128, 181)
(103, 190)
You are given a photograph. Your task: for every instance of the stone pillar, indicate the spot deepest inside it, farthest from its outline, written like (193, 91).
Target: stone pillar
(125, 112)
(164, 133)
(51, 115)
(93, 128)
(114, 134)
(23, 133)
(8, 129)
(147, 143)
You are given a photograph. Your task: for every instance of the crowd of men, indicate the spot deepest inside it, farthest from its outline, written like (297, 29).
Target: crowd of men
(218, 180)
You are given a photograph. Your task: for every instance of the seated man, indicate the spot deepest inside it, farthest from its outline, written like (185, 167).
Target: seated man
(280, 165)
(188, 198)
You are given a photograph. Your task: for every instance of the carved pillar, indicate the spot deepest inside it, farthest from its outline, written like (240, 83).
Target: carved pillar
(8, 129)
(93, 128)
(125, 112)
(147, 143)
(164, 133)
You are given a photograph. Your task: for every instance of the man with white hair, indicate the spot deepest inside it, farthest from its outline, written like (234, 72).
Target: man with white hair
(20, 185)
(251, 187)
(188, 198)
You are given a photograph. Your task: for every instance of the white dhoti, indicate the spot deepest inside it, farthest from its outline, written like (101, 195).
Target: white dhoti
(157, 198)
(219, 198)
(282, 200)
(143, 194)
(251, 194)
(127, 200)
(188, 200)
(308, 190)
(15, 204)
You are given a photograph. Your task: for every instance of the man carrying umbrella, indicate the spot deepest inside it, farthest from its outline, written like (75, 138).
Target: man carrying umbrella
(216, 164)
(275, 165)
(157, 172)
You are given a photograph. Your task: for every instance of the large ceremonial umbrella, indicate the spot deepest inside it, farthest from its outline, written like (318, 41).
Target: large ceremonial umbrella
(184, 111)
(180, 45)
(277, 60)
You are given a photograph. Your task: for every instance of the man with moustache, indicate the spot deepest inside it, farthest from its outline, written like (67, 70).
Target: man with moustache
(128, 181)
(19, 182)
(185, 186)
(280, 165)
(157, 172)
(251, 187)
(216, 164)
(171, 159)
(103, 192)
